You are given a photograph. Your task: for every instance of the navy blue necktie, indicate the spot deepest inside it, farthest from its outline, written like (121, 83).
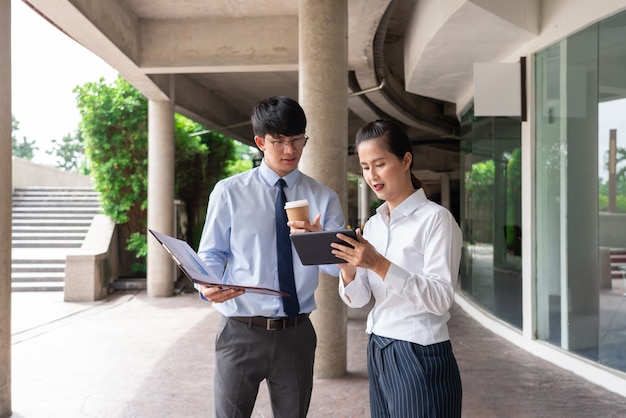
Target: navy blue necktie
(285, 261)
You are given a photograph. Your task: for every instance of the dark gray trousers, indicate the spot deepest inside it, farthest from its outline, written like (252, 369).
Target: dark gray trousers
(245, 356)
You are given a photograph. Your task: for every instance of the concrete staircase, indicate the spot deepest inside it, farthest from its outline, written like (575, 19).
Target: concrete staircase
(48, 223)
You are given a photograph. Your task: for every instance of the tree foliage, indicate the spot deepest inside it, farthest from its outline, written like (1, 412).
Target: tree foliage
(22, 148)
(201, 161)
(479, 182)
(115, 137)
(69, 152)
(115, 130)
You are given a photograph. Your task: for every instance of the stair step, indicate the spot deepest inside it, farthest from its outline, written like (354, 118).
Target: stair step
(43, 255)
(40, 257)
(55, 196)
(52, 213)
(20, 206)
(37, 268)
(37, 221)
(47, 243)
(48, 223)
(38, 277)
(38, 287)
(54, 190)
(32, 228)
(45, 235)
(94, 210)
(53, 193)
(46, 219)
(56, 203)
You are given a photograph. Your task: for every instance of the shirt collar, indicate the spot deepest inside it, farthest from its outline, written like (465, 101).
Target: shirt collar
(270, 176)
(408, 205)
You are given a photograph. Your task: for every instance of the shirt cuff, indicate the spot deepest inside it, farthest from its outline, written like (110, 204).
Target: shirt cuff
(396, 278)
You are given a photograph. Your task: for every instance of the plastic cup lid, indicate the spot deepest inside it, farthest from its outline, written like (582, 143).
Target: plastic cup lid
(296, 203)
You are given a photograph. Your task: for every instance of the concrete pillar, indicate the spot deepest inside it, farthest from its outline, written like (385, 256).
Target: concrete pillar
(364, 202)
(161, 146)
(6, 192)
(323, 93)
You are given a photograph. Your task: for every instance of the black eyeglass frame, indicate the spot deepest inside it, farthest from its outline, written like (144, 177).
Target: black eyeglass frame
(279, 146)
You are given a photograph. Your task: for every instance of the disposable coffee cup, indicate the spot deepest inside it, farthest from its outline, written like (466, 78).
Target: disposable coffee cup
(297, 210)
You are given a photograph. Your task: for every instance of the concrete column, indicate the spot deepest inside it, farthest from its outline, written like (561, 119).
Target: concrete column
(6, 192)
(364, 202)
(160, 278)
(323, 91)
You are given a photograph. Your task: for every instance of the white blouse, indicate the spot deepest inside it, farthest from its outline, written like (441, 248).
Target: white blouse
(423, 242)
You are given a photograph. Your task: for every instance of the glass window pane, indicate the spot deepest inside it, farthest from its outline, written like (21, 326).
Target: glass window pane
(581, 193)
(551, 152)
(612, 190)
(491, 215)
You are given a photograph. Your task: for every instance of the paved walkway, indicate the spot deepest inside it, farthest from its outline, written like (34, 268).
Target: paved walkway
(135, 356)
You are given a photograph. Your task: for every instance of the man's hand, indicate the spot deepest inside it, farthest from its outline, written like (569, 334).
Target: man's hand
(218, 295)
(298, 227)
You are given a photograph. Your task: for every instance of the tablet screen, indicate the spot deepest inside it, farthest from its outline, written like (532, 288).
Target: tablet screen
(314, 248)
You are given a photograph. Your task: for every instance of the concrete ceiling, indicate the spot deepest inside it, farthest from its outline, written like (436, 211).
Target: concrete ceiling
(225, 55)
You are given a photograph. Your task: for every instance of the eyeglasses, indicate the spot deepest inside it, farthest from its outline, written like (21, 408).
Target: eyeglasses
(297, 144)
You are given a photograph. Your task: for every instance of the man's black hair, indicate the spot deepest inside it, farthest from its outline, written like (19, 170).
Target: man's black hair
(276, 116)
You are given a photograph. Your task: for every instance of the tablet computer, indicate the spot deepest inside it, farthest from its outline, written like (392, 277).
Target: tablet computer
(314, 248)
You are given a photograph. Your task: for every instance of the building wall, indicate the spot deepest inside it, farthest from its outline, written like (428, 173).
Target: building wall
(26, 173)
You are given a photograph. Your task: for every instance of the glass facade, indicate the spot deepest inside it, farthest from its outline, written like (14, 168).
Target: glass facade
(491, 215)
(581, 193)
(580, 200)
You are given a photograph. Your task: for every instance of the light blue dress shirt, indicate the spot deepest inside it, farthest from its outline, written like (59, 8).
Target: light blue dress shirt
(423, 242)
(238, 242)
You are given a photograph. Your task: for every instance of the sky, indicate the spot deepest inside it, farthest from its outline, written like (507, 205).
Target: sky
(46, 65)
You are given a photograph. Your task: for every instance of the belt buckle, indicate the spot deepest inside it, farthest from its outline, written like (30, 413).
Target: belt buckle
(269, 322)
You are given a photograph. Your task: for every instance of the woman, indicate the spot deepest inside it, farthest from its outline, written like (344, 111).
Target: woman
(408, 258)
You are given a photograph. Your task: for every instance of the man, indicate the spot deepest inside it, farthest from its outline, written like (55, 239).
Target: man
(259, 337)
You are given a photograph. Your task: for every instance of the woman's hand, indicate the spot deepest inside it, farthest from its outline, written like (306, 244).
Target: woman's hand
(363, 254)
(216, 294)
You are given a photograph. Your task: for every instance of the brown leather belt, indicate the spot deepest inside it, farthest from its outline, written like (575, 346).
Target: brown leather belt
(272, 324)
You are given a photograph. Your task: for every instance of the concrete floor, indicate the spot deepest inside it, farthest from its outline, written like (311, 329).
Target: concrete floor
(135, 356)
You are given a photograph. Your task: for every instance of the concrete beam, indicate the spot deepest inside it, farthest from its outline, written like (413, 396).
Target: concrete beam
(199, 103)
(220, 45)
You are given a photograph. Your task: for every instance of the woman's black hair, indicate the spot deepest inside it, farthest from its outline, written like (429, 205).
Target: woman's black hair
(391, 137)
(276, 116)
